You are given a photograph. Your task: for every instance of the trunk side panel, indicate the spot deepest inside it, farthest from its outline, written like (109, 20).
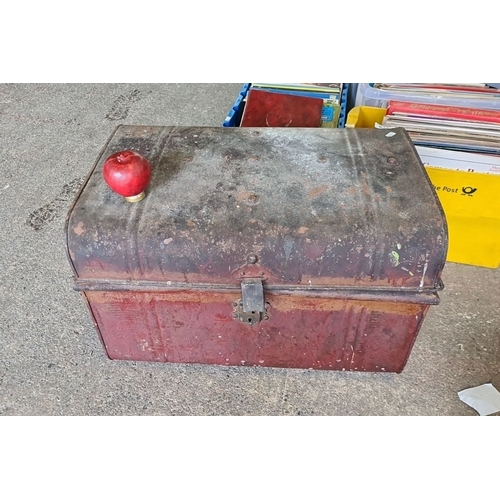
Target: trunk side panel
(315, 333)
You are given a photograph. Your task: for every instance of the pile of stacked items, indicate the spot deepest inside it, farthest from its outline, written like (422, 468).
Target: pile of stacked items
(451, 136)
(292, 105)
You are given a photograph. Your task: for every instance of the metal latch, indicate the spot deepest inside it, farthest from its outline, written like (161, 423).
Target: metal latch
(251, 308)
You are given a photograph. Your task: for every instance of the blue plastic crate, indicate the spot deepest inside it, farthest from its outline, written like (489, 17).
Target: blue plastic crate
(343, 104)
(233, 118)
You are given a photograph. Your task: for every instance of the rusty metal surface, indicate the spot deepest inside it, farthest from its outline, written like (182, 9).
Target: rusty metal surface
(339, 292)
(317, 333)
(297, 248)
(311, 207)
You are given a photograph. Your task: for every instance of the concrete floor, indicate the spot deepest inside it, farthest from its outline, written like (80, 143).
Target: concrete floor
(52, 362)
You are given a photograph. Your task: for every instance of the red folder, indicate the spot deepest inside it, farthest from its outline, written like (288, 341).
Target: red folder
(269, 109)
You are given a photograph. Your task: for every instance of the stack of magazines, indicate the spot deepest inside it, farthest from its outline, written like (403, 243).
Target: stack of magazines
(462, 129)
(450, 127)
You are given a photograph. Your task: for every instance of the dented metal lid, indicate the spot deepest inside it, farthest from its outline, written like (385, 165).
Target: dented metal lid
(295, 207)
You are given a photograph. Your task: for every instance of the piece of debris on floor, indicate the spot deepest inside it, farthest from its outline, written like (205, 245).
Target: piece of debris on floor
(485, 399)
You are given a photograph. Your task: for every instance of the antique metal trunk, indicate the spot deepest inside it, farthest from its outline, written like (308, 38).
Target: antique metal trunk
(284, 247)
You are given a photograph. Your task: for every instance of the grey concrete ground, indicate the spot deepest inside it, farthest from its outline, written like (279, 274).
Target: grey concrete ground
(51, 362)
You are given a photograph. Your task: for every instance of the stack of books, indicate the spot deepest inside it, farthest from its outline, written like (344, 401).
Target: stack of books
(457, 136)
(443, 91)
(449, 127)
(292, 105)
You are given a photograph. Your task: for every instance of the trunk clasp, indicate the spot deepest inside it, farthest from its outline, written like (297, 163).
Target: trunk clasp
(251, 308)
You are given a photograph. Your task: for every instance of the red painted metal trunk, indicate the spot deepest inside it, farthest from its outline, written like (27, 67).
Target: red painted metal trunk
(297, 248)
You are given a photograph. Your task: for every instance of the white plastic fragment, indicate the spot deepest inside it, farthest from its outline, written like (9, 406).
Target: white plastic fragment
(390, 134)
(485, 399)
